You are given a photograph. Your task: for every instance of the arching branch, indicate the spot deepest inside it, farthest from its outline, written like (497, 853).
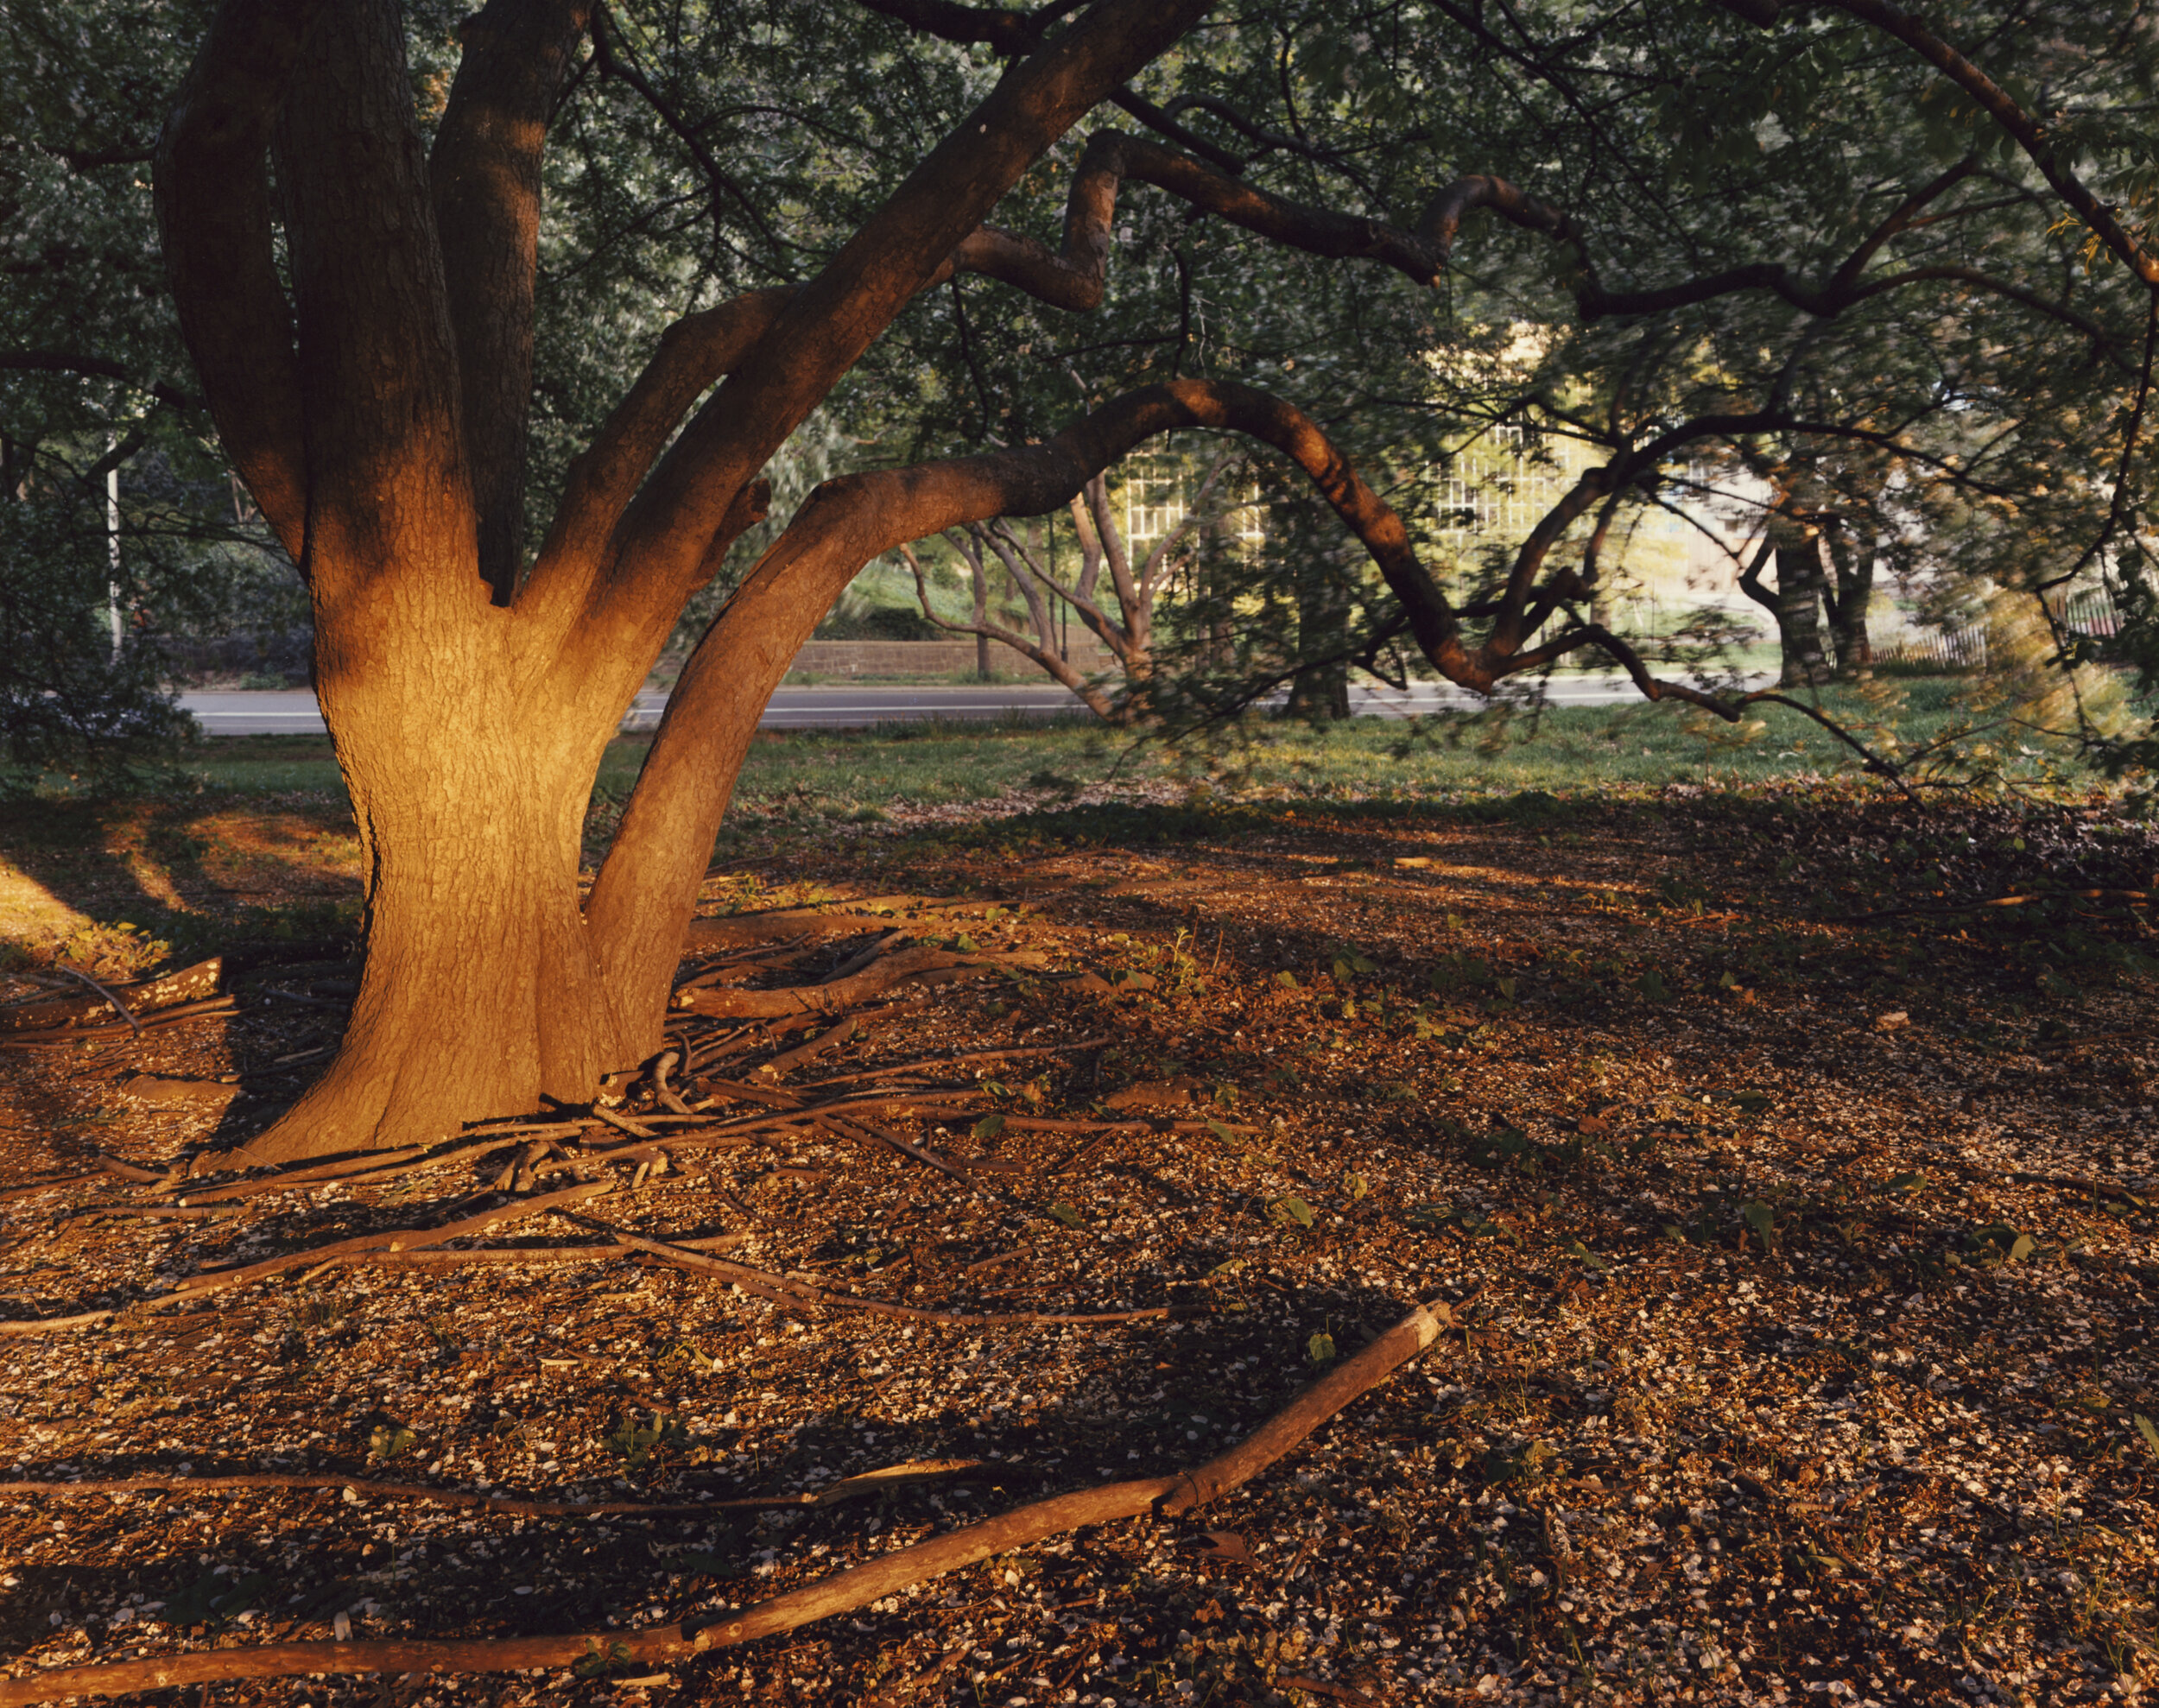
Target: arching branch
(213, 215)
(675, 813)
(1052, 665)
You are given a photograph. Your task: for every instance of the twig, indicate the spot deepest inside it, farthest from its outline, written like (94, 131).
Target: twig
(816, 1046)
(131, 1171)
(905, 1147)
(394, 1239)
(915, 962)
(37, 1186)
(119, 1007)
(406, 1491)
(843, 1592)
(396, 1164)
(59, 1036)
(782, 1290)
(622, 1124)
(955, 1061)
(54, 1324)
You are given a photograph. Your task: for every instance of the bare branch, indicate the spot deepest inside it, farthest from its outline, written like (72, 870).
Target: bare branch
(721, 181)
(1058, 668)
(2028, 132)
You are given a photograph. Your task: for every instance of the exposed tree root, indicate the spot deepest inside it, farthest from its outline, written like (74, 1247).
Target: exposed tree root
(841, 1593)
(917, 961)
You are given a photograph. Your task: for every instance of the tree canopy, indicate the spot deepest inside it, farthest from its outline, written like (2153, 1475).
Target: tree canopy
(531, 332)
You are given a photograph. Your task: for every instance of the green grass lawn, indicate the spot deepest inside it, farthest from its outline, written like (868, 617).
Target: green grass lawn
(860, 773)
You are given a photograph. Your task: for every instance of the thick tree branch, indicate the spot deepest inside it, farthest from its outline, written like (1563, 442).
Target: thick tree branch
(661, 542)
(213, 215)
(484, 175)
(695, 354)
(675, 810)
(844, 1591)
(389, 477)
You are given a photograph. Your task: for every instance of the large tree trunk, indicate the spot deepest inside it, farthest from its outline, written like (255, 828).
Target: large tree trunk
(481, 989)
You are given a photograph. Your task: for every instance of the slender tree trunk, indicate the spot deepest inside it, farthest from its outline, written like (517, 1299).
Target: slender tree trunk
(1798, 612)
(1852, 560)
(1320, 690)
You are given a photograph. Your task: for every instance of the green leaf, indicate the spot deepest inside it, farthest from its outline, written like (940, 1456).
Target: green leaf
(1507, 988)
(1290, 1211)
(1753, 1102)
(1761, 1218)
(1320, 1350)
(1356, 1185)
(988, 1127)
(1653, 986)
(1581, 1253)
(964, 943)
(2022, 1249)
(388, 1441)
(2149, 1431)
(1287, 980)
(1906, 1183)
(1228, 1266)
(1066, 1213)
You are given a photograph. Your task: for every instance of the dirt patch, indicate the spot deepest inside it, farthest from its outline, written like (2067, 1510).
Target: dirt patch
(1795, 1199)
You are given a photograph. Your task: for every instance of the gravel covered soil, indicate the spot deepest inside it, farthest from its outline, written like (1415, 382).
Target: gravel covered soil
(1793, 1206)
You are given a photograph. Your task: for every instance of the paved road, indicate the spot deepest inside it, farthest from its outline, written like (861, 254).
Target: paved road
(294, 713)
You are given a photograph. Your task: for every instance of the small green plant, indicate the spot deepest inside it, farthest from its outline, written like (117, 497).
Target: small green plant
(597, 1662)
(1320, 1349)
(1290, 1211)
(634, 1444)
(389, 1439)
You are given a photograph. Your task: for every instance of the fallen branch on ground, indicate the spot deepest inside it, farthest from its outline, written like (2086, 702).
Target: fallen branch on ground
(957, 1060)
(843, 1592)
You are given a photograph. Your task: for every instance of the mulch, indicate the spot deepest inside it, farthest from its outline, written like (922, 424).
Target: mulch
(1792, 1204)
